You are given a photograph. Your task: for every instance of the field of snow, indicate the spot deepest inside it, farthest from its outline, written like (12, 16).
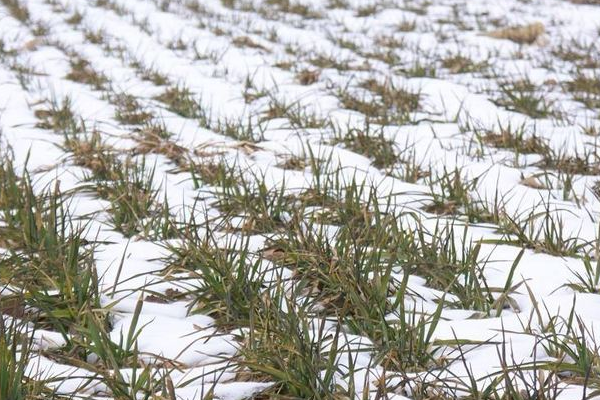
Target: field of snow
(299, 199)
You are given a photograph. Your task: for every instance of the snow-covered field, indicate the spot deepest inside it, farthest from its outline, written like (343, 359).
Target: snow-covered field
(232, 199)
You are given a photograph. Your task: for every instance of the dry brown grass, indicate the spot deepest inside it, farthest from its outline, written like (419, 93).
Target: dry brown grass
(154, 139)
(82, 72)
(521, 34)
(308, 76)
(246, 41)
(506, 139)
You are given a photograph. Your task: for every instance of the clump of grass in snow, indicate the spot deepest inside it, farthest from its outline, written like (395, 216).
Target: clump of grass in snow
(296, 352)
(290, 6)
(95, 37)
(582, 54)
(156, 139)
(595, 2)
(245, 130)
(59, 117)
(299, 116)
(585, 88)
(332, 61)
(18, 9)
(453, 194)
(420, 68)
(305, 118)
(451, 267)
(132, 194)
(524, 97)
(367, 10)
(542, 231)
(128, 185)
(260, 209)
(325, 266)
(51, 263)
(409, 169)
(389, 104)
(89, 150)
(587, 281)
(373, 145)
(63, 301)
(36, 231)
(83, 72)
(75, 18)
(513, 138)
(115, 356)
(586, 163)
(213, 172)
(150, 74)
(368, 235)
(403, 338)
(47, 256)
(458, 63)
(246, 41)
(251, 92)
(128, 110)
(352, 276)
(231, 281)
(591, 130)
(181, 101)
(573, 348)
(15, 353)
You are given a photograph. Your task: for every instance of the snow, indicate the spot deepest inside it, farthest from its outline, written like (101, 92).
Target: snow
(131, 269)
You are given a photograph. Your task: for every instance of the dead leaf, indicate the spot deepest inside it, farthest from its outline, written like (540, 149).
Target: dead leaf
(32, 44)
(273, 254)
(533, 182)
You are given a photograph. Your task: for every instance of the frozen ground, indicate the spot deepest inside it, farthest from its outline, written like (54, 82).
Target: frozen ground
(230, 199)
